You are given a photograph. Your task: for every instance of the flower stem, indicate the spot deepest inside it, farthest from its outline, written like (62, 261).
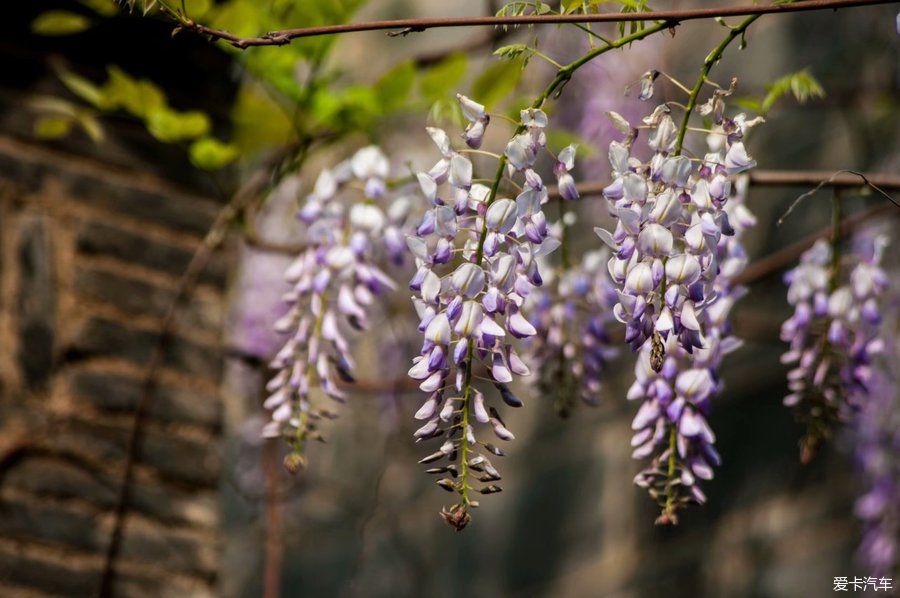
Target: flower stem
(464, 441)
(299, 443)
(711, 59)
(670, 474)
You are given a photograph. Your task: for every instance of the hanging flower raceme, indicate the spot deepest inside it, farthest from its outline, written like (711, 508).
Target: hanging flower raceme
(477, 256)
(336, 280)
(675, 251)
(877, 440)
(833, 336)
(573, 315)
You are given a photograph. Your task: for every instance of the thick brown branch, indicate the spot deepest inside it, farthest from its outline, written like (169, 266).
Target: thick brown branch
(811, 178)
(406, 26)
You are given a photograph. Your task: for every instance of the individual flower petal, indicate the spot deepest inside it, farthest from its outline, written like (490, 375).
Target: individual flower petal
(501, 215)
(468, 279)
(737, 160)
(438, 331)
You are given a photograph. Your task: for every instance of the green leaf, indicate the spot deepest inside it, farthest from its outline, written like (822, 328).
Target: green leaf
(258, 122)
(137, 96)
(512, 51)
(560, 138)
(496, 82)
(197, 8)
(170, 126)
(801, 84)
(353, 108)
(437, 82)
(52, 127)
(513, 9)
(105, 8)
(276, 65)
(393, 87)
(359, 106)
(520, 53)
(84, 89)
(241, 17)
(748, 103)
(59, 22)
(211, 154)
(446, 112)
(325, 106)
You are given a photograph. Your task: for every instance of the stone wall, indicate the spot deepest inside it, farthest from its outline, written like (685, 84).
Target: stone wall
(94, 238)
(91, 260)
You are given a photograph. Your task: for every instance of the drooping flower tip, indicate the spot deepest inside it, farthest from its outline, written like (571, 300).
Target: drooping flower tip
(646, 83)
(667, 518)
(294, 462)
(456, 517)
(478, 121)
(565, 162)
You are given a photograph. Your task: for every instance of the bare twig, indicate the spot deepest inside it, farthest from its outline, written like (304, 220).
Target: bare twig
(807, 178)
(781, 259)
(865, 182)
(407, 26)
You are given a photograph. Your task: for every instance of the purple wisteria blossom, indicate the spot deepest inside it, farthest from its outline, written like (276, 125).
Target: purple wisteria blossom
(677, 399)
(833, 335)
(675, 250)
(477, 256)
(877, 436)
(335, 281)
(877, 443)
(573, 316)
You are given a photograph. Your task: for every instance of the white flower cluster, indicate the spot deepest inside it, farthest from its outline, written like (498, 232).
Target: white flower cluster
(573, 317)
(834, 335)
(477, 256)
(675, 251)
(335, 279)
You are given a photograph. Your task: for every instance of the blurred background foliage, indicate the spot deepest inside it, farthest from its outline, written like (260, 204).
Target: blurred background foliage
(287, 94)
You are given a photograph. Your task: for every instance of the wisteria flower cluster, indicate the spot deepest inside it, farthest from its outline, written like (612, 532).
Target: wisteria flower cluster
(573, 317)
(833, 335)
(351, 220)
(477, 257)
(675, 249)
(877, 443)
